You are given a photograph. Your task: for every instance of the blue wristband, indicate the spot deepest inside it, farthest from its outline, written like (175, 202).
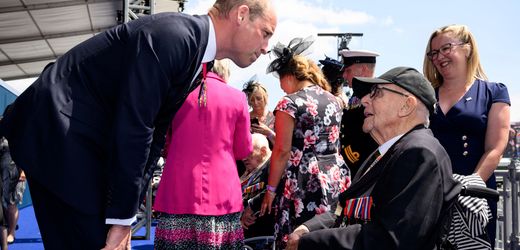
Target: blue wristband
(271, 188)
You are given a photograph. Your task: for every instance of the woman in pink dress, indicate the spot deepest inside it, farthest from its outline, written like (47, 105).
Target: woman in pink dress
(199, 196)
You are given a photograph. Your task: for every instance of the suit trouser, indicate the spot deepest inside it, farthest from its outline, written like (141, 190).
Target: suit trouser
(62, 226)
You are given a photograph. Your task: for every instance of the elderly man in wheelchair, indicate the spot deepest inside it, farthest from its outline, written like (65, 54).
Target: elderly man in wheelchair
(404, 196)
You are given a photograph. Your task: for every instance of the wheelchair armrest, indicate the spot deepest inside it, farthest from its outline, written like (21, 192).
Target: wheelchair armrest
(480, 192)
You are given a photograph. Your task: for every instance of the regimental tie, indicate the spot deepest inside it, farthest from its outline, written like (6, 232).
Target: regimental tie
(372, 160)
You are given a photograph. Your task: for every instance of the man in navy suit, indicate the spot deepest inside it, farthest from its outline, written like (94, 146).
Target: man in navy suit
(90, 128)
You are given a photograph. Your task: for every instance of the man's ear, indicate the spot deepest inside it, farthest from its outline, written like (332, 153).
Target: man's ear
(242, 13)
(263, 152)
(409, 105)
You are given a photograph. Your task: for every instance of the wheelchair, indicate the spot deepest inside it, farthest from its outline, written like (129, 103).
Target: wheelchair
(259, 243)
(448, 234)
(457, 230)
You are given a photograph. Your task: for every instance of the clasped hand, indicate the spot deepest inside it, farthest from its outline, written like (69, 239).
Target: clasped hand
(248, 218)
(118, 238)
(294, 237)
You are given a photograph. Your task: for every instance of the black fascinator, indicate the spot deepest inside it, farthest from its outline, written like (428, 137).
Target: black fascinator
(332, 65)
(333, 71)
(249, 87)
(285, 53)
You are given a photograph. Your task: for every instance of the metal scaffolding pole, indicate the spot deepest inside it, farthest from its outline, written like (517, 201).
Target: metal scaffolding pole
(509, 175)
(514, 173)
(343, 39)
(133, 9)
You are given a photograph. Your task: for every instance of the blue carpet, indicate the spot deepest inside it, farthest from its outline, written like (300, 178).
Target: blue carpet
(28, 235)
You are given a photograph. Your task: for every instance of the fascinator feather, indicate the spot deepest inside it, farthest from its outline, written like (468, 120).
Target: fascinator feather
(251, 84)
(333, 71)
(285, 53)
(331, 64)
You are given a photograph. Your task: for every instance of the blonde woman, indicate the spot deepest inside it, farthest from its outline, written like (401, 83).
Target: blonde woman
(262, 120)
(472, 118)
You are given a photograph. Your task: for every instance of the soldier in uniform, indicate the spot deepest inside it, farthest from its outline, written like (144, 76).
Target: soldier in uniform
(356, 145)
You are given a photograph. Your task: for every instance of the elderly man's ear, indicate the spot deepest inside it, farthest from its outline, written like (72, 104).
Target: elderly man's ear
(263, 152)
(408, 106)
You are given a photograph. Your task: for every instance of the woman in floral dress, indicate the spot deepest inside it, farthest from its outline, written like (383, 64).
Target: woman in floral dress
(307, 173)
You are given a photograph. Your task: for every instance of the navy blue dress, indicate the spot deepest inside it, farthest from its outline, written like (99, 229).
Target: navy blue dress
(462, 129)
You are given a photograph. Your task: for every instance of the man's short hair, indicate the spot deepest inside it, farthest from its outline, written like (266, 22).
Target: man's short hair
(256, 7)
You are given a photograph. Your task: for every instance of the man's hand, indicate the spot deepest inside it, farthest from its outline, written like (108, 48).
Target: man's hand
(118, 238)
(248, 218)
(22, 176)
(294, 237)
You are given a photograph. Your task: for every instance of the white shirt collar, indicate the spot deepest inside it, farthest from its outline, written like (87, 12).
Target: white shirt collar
(385, 146)
(211, 48)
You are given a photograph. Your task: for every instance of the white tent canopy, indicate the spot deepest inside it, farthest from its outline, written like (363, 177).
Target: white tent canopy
(36, 32)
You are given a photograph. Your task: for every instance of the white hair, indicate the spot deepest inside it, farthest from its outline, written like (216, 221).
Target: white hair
(423, 113)
(259, 141)
(221, 68)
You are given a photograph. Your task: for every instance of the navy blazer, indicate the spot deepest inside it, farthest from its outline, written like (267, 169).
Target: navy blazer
(91, 127)
(412, 188)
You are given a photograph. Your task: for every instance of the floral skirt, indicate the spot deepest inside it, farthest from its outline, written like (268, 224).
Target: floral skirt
(185, 231)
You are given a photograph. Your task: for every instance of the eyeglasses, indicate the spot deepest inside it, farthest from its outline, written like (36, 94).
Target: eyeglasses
(444, 50)
(376, 91)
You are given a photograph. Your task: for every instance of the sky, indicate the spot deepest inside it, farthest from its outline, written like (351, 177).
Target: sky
(396, 29)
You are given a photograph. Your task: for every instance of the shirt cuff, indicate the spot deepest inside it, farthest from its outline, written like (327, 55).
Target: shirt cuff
(122, 222)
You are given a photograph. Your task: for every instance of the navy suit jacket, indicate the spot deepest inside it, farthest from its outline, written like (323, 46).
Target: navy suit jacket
(91, 127)
(412, 188)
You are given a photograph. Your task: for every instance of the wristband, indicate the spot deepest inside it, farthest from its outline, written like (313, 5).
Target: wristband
(271, 136)
(271, 188)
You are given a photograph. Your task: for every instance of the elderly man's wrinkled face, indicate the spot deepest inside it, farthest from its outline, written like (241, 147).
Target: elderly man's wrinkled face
(254, 159)
(381, 109)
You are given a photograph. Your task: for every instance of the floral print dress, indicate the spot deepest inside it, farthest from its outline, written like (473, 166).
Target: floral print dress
(315, 174)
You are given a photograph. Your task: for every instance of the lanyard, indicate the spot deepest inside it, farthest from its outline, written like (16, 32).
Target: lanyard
(203, 98)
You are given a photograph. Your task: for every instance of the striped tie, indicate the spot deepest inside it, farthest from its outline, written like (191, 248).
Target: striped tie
(372, 160)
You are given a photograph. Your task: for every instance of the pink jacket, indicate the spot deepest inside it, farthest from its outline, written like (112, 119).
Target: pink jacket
(200, 176)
